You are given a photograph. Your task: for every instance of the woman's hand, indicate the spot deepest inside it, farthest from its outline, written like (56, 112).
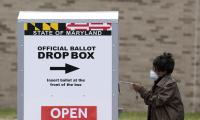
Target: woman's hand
(137, 87)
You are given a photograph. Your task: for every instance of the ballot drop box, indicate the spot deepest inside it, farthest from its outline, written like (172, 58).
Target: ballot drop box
(67, 65)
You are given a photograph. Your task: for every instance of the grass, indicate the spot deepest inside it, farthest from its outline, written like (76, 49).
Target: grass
(133, 116)
(9, 113)
(143, 115)
(192, 116)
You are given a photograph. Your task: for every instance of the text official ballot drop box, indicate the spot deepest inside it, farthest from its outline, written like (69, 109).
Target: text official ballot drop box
(68, 65)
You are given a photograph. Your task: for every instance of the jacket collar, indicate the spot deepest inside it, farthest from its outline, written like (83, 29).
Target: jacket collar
(165, 79)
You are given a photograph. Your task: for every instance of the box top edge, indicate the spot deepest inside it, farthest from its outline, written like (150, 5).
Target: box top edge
(68, 15)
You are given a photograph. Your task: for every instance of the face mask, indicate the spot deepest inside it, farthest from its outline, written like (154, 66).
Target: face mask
(153, 75)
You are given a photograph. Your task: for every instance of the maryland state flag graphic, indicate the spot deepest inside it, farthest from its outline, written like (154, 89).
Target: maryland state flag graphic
(67, 29)
(44, 26)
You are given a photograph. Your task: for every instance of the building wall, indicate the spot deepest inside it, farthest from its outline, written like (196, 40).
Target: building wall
(146, 29)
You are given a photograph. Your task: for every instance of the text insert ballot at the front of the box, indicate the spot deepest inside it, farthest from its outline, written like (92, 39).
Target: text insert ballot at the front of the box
(67, 71)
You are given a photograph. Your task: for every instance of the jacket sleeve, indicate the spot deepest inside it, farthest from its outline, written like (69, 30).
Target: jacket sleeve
(160, 98)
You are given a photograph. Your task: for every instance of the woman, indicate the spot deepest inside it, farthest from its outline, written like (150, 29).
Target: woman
(163, 100)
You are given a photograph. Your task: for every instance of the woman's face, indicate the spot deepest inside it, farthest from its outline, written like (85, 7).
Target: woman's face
(159, 73)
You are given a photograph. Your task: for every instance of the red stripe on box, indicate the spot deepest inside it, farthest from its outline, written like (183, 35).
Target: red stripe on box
(104, 28)
(78, 25)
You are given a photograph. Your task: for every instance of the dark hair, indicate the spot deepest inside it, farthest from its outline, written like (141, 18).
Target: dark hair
(164, 62)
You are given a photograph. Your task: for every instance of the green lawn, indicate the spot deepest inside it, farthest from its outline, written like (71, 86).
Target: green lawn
(7, 113)
(133, 116)
(142, 116)
(11, 114)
